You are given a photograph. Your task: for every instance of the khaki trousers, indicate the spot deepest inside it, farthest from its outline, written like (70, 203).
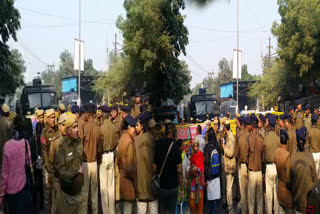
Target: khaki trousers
(107, 183)
(147, 207)
(47, 192)
(271, 188)
(243, 180)
(283, 210)
(230, 178)
(316, 157)
(91, 185)
(255, 192)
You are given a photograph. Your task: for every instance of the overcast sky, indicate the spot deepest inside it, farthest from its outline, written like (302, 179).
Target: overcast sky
(49, 27)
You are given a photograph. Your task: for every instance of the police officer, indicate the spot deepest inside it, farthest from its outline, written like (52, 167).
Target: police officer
(75, 109)
(307, 117)
(256, 161)
(282, 161)
(229, 162)
(124, 111)
(291, 130)
(314, 141)
(127, 164)
(91, 140)
(261, 128)
(6, 128)
(49, 132)
(136, 105)
(271, 143)
(298, 116)
(116, 120)
(317, 112)
(236, 120)
(52, 152)
(69, 171)
(302, 173)
(107, 167)
(242, 158)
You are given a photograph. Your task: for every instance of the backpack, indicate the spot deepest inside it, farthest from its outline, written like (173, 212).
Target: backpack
(215, 163)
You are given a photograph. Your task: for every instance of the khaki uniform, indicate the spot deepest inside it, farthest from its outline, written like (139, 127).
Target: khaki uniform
(271, 143)
(262, 132)
(67, 162)
(47, 136)
(298, 117)
(144, 155)
(6, 130)
(136, 110)
(314, 144)
(282, 160)
(256, 160)
(301, 177)
(292, 141)
(318, 124)
(242, 158)
(91, 142)
(107, 167)
(230, 167)
(307, 122)
(54, 181)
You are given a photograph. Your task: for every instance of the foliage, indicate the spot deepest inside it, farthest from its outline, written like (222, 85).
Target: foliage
(299, 38)
(10, 72)
(51, 77)
(154, 37)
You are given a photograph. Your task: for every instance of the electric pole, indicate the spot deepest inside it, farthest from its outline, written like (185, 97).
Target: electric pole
(210, 74)
(237, 56)
(269, 55)
(79, 53)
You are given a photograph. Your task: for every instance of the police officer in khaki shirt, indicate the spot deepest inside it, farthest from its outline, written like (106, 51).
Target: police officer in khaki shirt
(107, 167)
(242, 158)
(261, 126)
(256, 162)
(271, 143)
(298, 116)
(52, 152)
(49, 132)
(317, 112)
(302, 174)
(6, 128)
(291, 130)
(69, 171)
(307, 117)
(314, 141)
(91, 142)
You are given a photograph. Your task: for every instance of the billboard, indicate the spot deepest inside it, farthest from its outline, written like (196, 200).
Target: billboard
(234, 64)
(69, 85)
(226, 90)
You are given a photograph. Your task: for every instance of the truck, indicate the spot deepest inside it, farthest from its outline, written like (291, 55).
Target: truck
(70, 90)
(37, 95)
(204, 104)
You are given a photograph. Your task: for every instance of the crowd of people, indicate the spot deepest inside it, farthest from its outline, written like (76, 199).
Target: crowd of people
(101, 159)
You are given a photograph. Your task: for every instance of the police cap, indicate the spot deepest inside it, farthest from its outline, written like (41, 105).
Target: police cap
(314, 117)
(267, 115)
(126, 109)
(39, 112)
(253, 117)
(62, 107)
(75, 109)
(141, 118)
(248, 120)
(50, 112)
(90, 108)
(5, 108)
(308, 106)
(272, 120)
(291, 108)
(262, 118)
(70, 120)
(283, 116)
(62, 118)
(301, 133)
(105, 109)
(130, 120)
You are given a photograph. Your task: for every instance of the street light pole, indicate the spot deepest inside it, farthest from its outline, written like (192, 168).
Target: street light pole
(79, 93)
(238, 56)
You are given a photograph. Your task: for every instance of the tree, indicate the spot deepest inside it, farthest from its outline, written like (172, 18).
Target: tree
(10, 78)
(154, 37)
(298, 39)
(246, 76)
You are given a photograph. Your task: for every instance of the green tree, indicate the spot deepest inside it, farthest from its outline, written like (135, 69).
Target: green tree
(154, 37)
(10, 73)
(298, 39)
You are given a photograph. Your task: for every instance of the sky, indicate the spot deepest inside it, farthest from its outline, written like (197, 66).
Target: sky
(50, 27)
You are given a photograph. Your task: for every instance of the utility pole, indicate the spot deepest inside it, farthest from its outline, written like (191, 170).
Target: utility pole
(269, 54)
(79, 93)
(237, 56)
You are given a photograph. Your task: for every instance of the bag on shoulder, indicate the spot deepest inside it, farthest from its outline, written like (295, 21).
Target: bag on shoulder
(215, 163)
(155, 185)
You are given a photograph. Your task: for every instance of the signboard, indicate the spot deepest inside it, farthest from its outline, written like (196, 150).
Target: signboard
(69, 84)
(226, 90)
(78, 54)
(234, 65)
(183, 132)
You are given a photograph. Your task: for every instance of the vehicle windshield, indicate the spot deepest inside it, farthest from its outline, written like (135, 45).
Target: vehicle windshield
(48, 99)
(206, 107)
